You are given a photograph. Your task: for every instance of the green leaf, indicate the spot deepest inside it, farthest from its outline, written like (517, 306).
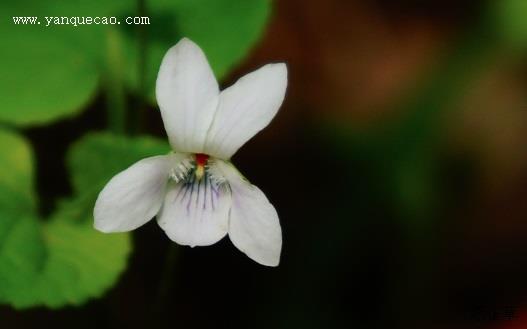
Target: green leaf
(44, 78)
(111, 154)
(82, 263)
(63, 262)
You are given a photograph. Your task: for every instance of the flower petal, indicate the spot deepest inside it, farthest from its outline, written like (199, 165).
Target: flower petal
(187, 94)
(254, 227)
(196, 212)
(245, 108)
(134, 196)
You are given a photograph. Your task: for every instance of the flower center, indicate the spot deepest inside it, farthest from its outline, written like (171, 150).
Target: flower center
(201, 161)
(195, 168)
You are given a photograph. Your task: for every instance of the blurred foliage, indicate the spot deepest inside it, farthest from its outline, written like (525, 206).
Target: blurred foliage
(52, 72)
(406, 151)
(63, 260)
(511, 22)
(406, 158)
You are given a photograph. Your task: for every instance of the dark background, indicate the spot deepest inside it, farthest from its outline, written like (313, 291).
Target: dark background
(398, 167)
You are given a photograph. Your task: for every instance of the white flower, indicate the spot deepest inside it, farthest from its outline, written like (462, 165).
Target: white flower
(196, 193)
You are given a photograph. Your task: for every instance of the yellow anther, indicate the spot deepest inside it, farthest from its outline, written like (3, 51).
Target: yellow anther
(200, 170)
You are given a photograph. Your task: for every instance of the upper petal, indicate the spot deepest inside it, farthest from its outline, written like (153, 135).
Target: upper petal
(245, 108)
(187, 94)
(196, 212)
(254, 227)
(134, 196)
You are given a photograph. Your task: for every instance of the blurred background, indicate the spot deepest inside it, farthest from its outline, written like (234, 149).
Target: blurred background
(397, 164)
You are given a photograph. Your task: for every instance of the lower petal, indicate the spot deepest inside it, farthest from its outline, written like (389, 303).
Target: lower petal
(254, 226)
(196, 212)
(134, 196)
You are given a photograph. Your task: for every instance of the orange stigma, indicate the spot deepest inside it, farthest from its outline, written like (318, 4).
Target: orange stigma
(201, 161)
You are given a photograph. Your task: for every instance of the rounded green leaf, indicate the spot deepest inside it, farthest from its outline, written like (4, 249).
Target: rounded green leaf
(48, 72)
(43, 76)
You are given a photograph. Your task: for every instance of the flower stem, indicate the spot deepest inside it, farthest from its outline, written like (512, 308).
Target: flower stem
(159, 306)
(114, 85)
(138, 116)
